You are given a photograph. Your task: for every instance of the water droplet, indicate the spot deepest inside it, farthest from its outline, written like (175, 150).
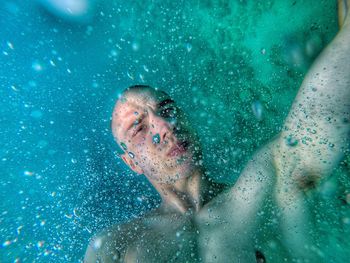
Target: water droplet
(129, 75)
(114, 53)
(9, 44)
(19, 229)
(39, 244)
(123, 145)
(188, 47)
(14, 88)
(257, 109)
(6, 243)
(291, 141)
(37, 66)
(28, 173)
(156, 139)
(311, 131)
(132, 156)
(145, 68)
(135, 46)
(69, 216)
(75, 212)
(94, 84)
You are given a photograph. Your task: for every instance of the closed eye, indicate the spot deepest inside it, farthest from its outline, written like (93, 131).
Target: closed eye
(138, 128)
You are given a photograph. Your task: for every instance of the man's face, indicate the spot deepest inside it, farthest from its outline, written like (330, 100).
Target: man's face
(156, 136)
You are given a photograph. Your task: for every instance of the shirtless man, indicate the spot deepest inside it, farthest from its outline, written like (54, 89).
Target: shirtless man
(274, 212)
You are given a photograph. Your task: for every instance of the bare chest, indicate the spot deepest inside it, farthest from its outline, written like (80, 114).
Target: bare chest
(166, 239)
(221, 235)
(191, 240)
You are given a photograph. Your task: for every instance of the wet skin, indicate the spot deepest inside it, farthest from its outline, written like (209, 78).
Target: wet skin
(277, 209)
(156, 135)
(228, 226)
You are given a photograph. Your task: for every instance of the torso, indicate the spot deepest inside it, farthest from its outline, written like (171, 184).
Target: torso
(252, 222)
(165, 238)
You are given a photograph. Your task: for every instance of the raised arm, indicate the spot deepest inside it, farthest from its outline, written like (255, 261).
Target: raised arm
(314, 139)
(316, 132)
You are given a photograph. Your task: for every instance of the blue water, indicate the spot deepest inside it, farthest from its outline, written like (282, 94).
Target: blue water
(234, 66)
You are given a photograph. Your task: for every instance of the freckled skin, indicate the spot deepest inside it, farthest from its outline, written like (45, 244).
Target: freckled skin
(279, 210)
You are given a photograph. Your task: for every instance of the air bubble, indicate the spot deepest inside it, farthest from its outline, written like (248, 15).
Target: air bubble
(123, 145)
(36, 66)
(290, 141)
(257, 109)
(188, 47)
(156, 139)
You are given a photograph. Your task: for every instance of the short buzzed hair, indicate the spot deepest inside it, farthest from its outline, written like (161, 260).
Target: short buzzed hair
(142, 88)
(136, 88)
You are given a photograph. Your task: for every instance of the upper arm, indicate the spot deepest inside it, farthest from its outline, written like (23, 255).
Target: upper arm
(312, 142)
(314, 137)
(316, 132)
(255, 182)
(251, 192)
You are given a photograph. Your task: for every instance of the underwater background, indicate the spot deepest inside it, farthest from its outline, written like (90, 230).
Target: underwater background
(233, 66)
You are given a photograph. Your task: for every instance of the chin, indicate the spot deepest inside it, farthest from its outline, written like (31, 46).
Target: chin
(186, 170)
(171, 177)
(173, 169)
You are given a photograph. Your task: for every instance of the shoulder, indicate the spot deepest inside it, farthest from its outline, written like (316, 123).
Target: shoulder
(110, 245)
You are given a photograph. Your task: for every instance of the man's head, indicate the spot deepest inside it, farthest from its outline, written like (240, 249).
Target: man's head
(155, 135)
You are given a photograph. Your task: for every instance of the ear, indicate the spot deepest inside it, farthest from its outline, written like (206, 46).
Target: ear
(129, 162)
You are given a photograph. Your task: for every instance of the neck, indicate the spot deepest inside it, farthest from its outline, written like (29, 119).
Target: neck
(188, 195)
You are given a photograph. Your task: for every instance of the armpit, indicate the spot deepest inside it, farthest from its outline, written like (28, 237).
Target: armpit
(292, 169)
(308, 181)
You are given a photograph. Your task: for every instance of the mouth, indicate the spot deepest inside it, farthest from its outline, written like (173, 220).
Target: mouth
(178, 149)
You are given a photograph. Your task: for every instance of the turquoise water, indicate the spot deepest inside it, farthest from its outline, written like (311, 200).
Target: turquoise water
(234, 66)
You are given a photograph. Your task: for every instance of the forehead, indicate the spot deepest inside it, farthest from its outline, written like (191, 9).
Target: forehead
(133, 103)
(139, 100)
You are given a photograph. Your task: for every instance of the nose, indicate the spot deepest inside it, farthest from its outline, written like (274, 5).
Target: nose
(160, 128)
